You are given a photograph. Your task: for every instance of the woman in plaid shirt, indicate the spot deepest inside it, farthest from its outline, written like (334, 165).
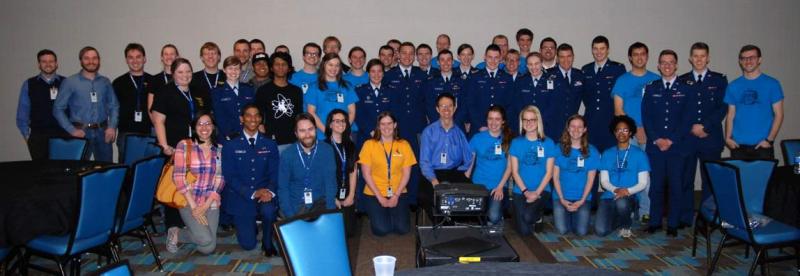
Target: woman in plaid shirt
(201, 214)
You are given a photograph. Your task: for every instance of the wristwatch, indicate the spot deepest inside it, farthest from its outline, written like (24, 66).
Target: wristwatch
(771, 142)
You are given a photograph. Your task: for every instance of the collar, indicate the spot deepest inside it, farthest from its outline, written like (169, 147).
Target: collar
(671, 81)
(235, 86)
(447, 75)
(702, 73)
(48, 81)
(247, 137)
(403, 69)
(600, 64)
(374, 87)
(490, 71)
(568, 71)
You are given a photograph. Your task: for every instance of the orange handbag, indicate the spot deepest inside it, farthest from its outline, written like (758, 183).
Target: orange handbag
(167, 193)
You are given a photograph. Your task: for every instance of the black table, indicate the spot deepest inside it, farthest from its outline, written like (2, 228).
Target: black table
(782, 200)
(39, 198)
(509, 269)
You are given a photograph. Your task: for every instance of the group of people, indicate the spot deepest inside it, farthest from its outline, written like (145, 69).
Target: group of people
(263, 140)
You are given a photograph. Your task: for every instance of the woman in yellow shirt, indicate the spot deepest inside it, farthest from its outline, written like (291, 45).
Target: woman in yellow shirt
(386, 162)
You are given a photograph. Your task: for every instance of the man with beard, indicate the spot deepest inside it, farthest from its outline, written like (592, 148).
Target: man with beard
(241, 49)
(93, 107)
(34, 113)
(307, 172)
(548, 49)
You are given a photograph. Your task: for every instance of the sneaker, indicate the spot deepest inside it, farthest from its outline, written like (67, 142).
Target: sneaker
(625, 233)
(172, 239)
(645, 219)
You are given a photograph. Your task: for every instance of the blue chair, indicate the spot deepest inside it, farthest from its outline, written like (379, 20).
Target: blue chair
(121, 268)
(99, 192)
(303, 239)
(790, 149)
(729, 195)
(67, 149)
(133, 219)
(139, 146)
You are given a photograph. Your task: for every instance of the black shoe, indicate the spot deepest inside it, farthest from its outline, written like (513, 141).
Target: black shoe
(538, 227)
(684, 225)
(672, 232)
(270, 252)
(652, 229)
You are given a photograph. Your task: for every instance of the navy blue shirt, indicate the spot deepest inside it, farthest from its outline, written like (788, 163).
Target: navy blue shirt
(368, 108)
(706, 106)
(567, 99)
(227, 105)
(248, 168)
(663, 112)
(454, 85)
(598, 102)
(534, 91)
(299, 170)
(484, 92)
(408, 105)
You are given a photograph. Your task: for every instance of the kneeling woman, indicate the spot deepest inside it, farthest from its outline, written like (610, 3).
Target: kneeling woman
(201, 214)
(386, 162)
(624, 172)
(573, 178)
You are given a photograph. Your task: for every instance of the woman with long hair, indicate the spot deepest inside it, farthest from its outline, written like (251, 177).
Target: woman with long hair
(491, 167)
(573, 178)
(331, 92)
(337, 133)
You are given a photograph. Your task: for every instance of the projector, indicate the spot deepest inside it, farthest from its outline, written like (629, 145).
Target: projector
(459, 199)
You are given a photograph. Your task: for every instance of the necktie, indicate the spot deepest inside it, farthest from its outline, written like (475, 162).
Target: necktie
(699, 79)
(236, 90)
(535, 82)
(405, 73)
(252, 142)
(491, 75)
(446, 79)
(566, 77)
(377, 90)
(599, 68)
(668, 85)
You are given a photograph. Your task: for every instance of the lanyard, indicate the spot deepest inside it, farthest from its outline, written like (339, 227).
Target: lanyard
(306, 178)
(622, 165)
(244, 76)
(138, 91)
(166, 80)
(343, 158)
(388, 162)
(188, 96)
(216, 80)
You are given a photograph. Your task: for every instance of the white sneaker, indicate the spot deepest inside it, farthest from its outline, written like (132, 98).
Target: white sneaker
(172, 239)
(625, 233)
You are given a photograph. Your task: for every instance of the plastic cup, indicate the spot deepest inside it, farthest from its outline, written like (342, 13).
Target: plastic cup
(384, 265)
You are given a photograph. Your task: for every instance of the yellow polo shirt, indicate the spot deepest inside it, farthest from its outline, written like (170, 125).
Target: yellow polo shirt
(373, 154)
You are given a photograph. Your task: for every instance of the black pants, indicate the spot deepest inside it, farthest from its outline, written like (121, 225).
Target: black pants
(39, 143)
(425, 196)
(750, 152)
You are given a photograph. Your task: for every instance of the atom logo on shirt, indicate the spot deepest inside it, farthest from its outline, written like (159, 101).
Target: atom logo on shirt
(282, 107)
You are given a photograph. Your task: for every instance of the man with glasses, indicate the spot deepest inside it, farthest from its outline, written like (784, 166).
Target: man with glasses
(307, 76)
(755, 109)
(663, 109)
(548, 49)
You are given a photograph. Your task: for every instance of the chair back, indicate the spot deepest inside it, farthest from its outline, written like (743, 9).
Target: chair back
(121, 268)
(3, 253)
(139, 146)
(790, 149)
(725, 178)
(144, 179)
(755, 175)
(67, 149)
(314, 244)
(99, 192)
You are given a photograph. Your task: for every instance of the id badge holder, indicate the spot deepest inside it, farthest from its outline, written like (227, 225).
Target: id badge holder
(581, 162)
(53, 93)
(339, 98)
(443, 158)
(93, 96)
(540, 152)
(498, 150)
(137, 116)
(389, 192)
(342, 193)
(550, 85)
(307, 197)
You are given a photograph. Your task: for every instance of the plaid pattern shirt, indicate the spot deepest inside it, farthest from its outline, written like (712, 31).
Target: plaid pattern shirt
(208, 172)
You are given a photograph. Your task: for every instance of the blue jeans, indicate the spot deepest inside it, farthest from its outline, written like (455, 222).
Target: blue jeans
(97, 146)
(384, 220)
(495, 211)
(577, 222)
(644, 196)
(526, 214)
(614, 213)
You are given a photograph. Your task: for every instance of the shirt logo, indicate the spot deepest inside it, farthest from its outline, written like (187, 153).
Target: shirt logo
(282, 107)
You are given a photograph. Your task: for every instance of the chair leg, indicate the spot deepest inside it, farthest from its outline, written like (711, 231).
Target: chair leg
(153, 248)
(746, 251)
(755, 263)
(716, 255)
(694, 236)
(765, 262)
(114, 253)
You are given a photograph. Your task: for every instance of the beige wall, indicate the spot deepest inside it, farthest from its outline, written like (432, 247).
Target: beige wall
(66, 26)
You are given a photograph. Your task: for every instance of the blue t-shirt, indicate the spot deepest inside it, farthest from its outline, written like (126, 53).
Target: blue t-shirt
(332, 98)
(573, 176)
(631, 88)
(532, 166)
(753, 100)
(305, 81)
(623, 168)
(491, 161)
(356, 81)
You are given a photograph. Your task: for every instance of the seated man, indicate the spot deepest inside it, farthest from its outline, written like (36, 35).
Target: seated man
(307, 172)
(250, 168)
(444, 152)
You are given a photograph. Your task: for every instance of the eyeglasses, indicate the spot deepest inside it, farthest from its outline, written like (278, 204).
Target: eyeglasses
(525, 121)
(309, 54)
(750, 58)
(205, 123)
(622, 130)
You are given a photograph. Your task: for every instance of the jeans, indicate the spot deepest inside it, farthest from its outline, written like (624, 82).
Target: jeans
(495, 211)
(526, 213)
(384, 220)
(614, 213)
(644, 196)
(576, 222)
(204, 236)
(97, 146)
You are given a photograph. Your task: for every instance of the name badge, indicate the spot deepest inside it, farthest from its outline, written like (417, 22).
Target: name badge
(549, 84)
(339, 97)
(137, 116)
(304, 87)
(307, 198)
(389, 192)
(342, 193)
(581, 162)
(93, 96)
(498, 149)
(53, 93)
(443, 158)
(540, 152)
